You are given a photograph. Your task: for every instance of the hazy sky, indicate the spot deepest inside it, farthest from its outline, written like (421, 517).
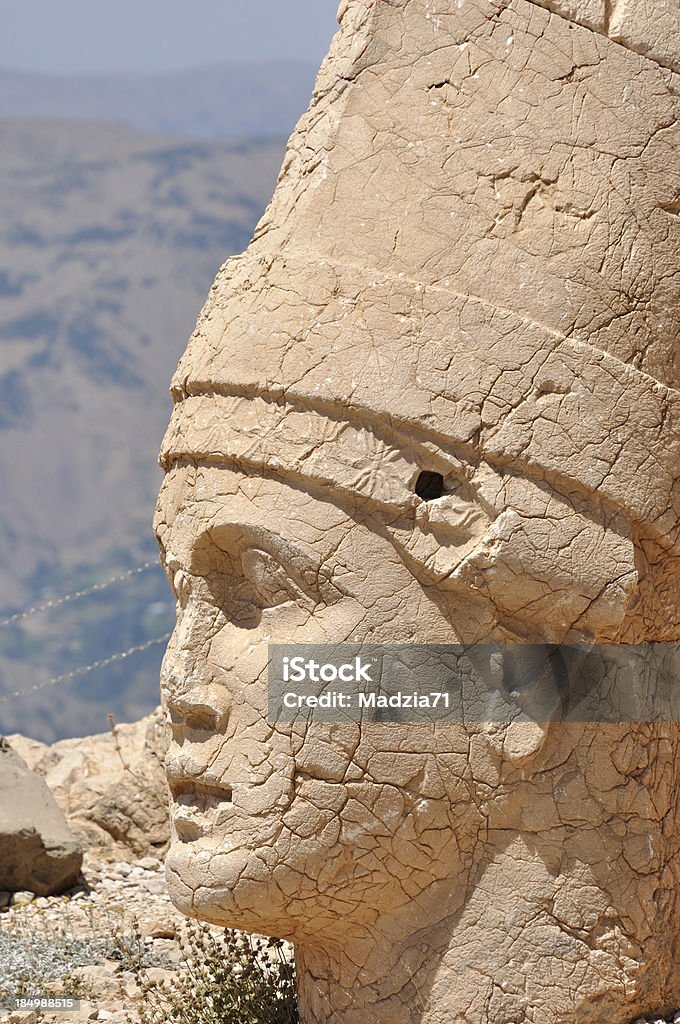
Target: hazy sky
(155, 35)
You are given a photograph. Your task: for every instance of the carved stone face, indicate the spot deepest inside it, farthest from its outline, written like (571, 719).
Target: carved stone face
(290, 829)
(279, 816)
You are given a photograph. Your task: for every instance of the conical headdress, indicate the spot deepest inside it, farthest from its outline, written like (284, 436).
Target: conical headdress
(473, 248)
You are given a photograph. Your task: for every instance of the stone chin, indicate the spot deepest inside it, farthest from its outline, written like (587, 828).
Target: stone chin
(225, 888)
(263, 872)
(239, 888)
(222, 853)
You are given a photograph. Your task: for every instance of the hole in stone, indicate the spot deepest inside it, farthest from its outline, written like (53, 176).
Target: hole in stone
(429, 485)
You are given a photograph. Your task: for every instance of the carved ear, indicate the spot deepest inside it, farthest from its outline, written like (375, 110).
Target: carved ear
(526, 685)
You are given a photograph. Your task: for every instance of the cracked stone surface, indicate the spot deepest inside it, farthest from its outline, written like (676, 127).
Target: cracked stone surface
(469, 267)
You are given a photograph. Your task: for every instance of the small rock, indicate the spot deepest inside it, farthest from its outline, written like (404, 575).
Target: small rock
(156, 886)
(97, 977)
(132, 989)
(23, 896)
(122, 869)
(158, 928)
(42, 902)
(676, 1018)
(5, 900)
(159, 974)
(169, 948)
(150, 864)
(77, 890)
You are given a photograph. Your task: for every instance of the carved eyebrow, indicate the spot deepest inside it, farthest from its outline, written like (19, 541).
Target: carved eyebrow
(240, 534)
(233, 537)
(307, 572)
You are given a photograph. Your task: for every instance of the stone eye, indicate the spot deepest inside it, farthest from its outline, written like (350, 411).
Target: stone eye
(270, 580)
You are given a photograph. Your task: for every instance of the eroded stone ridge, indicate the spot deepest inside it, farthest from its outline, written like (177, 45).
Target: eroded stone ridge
(468, 271)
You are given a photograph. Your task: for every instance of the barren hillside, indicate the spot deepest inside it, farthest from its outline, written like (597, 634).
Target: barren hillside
(109, 240)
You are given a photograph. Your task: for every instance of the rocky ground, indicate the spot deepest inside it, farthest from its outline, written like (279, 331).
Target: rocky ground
(117, 930)
(84, 944)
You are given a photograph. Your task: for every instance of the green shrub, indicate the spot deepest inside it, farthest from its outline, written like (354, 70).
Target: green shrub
(223, 978)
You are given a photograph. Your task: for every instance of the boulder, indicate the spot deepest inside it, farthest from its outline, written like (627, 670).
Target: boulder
(38, 851)
(111, 787)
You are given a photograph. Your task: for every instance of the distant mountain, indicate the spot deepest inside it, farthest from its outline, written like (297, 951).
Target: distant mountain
(231, 101)
(109, 241)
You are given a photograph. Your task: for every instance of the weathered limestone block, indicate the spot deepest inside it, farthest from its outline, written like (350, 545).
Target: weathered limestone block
(38, 852)
(111, 787)
(469, 268)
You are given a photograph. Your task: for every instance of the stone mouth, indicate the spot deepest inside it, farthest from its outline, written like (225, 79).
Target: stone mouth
(195, 793)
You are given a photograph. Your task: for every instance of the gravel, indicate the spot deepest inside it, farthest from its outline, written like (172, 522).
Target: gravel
(88, 934)
(25, 958)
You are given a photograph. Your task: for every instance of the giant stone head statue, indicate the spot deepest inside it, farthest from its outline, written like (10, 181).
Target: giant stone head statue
(436, 402)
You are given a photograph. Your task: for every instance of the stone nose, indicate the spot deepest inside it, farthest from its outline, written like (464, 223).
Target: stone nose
(203, 707)
(193, 699)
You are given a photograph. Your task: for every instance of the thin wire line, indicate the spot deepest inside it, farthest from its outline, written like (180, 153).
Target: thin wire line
(95, 588)
(77, 672)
